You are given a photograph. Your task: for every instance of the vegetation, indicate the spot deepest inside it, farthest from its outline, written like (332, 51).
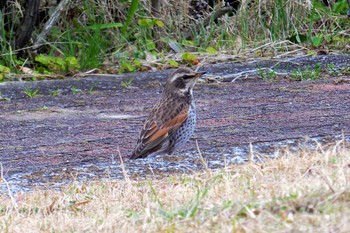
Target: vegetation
(123, 36)
(307, 190)
(30, 92)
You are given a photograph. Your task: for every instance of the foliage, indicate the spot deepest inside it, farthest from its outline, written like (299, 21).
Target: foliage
(310, 73)
(51, 63)
(3, 71)
(189, 57)
(127, 83)
(55, 93)
(124, 35)
(30, 92)
(267, 73)
(132, 10)
(75, 90)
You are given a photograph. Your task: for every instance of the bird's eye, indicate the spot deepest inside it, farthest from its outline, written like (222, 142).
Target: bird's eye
(187, 77)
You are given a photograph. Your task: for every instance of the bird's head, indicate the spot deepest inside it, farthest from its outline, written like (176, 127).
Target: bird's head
(182, 81)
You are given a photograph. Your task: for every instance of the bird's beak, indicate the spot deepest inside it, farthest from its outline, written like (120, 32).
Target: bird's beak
(200, 73)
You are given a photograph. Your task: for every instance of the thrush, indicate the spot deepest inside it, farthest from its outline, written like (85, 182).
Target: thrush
(172, 120)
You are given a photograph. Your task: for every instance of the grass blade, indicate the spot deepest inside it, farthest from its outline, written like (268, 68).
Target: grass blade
(133, 7)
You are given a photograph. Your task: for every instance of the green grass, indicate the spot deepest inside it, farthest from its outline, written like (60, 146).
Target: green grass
(7, 58)
(267, 74)
(122, 34)
(55, 93)
(127, 83)
(76, 90)
(310, 73)
(30, 92)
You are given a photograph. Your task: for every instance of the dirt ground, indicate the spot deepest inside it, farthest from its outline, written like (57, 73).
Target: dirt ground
(91, 117)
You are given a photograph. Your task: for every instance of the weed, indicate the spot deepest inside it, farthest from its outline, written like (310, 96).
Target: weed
(332, 70)
(189, 58)
(55, 93)
(75, 90)
(123, 34)
(127, 83)
(267, 73)
(307, 74)
(7, 58)
(30, 92)
(93, 52)
(130, 15)
(127, 66)
(91, 89)
(173, 63)
(51, 63)
(345, 71)
(3, 71)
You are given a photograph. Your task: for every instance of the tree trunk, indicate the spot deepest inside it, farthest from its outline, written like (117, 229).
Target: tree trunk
(2, 4)
(25, 29)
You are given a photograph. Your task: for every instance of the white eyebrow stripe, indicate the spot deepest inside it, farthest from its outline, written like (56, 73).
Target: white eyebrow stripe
(177, 75)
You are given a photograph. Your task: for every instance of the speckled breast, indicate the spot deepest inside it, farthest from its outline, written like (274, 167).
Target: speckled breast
(184, 132)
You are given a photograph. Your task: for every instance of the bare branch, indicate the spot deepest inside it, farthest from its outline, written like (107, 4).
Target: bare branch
(50, 23)
(215, 15)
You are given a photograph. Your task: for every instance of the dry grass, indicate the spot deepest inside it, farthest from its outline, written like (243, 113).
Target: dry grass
(306, 191)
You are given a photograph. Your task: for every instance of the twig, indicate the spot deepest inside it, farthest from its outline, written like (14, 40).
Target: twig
(150, 167)
(204, 162)
(156, 8)
(200, 64)
(125, 174)
(251, 153)
(326, 180)
(50, 23)
(214, 15)
(14, 203)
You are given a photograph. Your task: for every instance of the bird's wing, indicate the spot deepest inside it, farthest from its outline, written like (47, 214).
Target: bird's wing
(156, 131)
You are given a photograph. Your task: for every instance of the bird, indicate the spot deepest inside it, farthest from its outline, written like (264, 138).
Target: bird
(172, 120)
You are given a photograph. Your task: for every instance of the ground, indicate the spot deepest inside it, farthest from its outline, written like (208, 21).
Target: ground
(79, 131)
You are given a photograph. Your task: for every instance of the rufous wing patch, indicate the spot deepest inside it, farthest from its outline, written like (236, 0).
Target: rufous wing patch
(175, 123)
(154, 135)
